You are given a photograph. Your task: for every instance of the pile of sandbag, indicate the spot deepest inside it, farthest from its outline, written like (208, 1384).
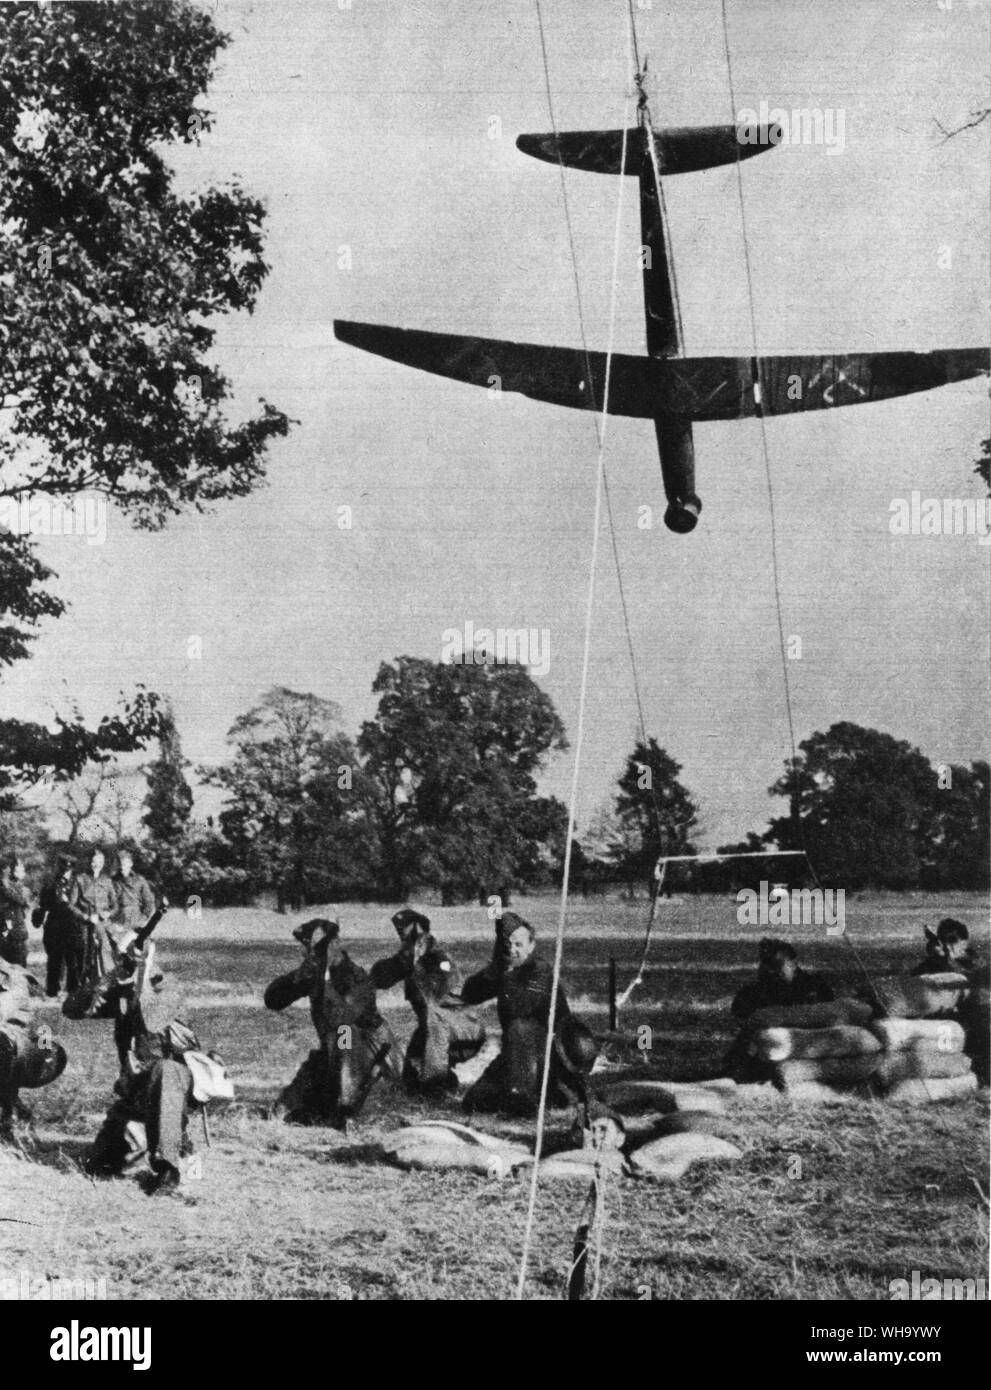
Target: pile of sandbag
(827, 1052)
(668, 1125)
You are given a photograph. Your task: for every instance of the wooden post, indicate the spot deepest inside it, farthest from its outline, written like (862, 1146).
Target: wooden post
(613, 1023)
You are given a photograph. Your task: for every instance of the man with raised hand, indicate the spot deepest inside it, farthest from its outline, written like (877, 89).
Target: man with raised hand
(356, 1044)
(446, 1032)
(522, 984)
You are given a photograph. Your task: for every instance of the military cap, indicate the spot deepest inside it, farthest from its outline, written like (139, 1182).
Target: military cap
(409, 917)
(315, 931)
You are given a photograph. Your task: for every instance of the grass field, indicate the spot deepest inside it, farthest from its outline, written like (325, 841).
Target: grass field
(302, 1213)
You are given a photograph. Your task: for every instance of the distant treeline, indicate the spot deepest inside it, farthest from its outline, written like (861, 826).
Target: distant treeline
(438, 795)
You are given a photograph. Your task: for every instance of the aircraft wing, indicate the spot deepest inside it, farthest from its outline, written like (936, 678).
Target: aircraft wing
(691, 388)
(561, 376)
(722, 388)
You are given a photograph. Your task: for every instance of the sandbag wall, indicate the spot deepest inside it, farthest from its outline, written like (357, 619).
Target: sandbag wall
(904, 1045)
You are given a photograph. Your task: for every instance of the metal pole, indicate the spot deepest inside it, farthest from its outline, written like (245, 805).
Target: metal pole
(612, 995)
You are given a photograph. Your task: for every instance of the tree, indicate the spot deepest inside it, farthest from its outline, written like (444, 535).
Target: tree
(657, 812)
(290, 818)
(961, 834)
(168, 807)
(454, 751)
(862, 807)
(110, 284)
(983, 465)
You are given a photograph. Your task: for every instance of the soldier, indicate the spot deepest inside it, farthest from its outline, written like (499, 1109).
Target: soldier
(93, 895)
(356, 1044)
(522, 984)
(29, 1056)
(157, 1087)
(780, 982)
(15, 904)
(446, 1032)
(135, 900)
(63, 934)
(948, 950)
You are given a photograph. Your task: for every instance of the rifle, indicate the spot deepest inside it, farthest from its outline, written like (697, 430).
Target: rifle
(92, 997)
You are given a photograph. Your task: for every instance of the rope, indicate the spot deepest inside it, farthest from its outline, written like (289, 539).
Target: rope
(601, 430)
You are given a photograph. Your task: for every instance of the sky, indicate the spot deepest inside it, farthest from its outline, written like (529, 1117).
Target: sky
(381, 136)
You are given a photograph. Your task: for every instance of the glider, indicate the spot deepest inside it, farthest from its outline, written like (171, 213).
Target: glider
(665, 386)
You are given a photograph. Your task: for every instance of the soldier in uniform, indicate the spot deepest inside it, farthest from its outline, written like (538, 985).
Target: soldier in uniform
(356, 1044)
(522, 984)
(135, 900)
(15, 905)
(29, 1056)
(446, 1032)
(94, 897)
(63, 934)
(780, 982)
(949, 951)
(155, 1089)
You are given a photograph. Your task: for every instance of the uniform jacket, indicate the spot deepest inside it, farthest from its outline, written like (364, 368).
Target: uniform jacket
(340, 992)
(59, 922)
(135, 901)
(432, 977)
(15, 900)
(772, 992)
(93, 897)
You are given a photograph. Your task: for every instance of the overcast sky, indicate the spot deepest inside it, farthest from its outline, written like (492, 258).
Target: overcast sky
(370, 129)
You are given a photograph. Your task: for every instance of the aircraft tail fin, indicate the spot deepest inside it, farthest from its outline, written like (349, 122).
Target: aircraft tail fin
(680, 149)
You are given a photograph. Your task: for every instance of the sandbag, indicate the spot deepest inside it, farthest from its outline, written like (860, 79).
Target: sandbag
(487, 1163)
(699, 1098)
(670, 1157)
(637, 1097)
(691, 1122)
(920, 996)
(840, 1011)
(899, 1034)
(834, 1071)
(821, 1093)
(925, 1092)
(786, 1044)
(576, 1164)
(445, 1144)
(913, 1063)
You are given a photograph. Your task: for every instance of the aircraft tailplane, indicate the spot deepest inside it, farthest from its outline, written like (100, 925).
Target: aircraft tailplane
(680, 149)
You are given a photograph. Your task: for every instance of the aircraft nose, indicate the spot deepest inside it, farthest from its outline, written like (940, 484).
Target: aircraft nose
(682, 517)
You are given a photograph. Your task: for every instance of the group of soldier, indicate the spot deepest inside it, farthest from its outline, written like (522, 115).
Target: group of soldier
(97, 936)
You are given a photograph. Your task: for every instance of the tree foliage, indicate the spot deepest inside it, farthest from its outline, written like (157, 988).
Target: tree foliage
(454, 751)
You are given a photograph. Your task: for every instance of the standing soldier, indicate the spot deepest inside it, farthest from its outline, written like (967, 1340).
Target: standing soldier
(95, 901)
(446, 1032)
(135, 900)
(63, 934)
(356, 1044)
(29, 1056)
(15, 903)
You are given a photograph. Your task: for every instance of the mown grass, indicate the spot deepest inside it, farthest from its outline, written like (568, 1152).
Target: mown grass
(828, 1203)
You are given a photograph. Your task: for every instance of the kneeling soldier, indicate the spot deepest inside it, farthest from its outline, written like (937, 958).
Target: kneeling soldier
(29, 1056)
(446, 1032)
(356, 1044)
(522, 983)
